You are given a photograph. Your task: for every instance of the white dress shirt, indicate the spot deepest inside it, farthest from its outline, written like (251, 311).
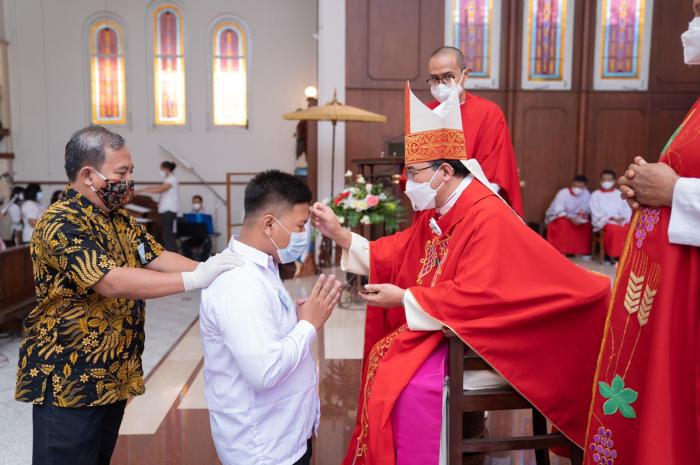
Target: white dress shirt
(15, 212)
(684, 227)
(356, 260)
(31, 210)
(259, 372)
(170, 200)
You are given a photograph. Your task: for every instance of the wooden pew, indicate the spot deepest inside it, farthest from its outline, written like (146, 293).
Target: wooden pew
(17, 297)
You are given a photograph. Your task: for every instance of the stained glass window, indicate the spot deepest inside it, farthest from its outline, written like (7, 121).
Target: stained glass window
(107, 82)
(547, 44)
(229, 78)
(623, 43)
(473, 26)
(168, 66)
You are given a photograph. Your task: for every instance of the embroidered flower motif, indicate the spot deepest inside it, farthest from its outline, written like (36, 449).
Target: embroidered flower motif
(601, 448)
(619, 398)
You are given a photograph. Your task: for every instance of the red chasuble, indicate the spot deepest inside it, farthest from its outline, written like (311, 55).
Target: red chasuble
(488, 140)
(528, 311)
(646, 399)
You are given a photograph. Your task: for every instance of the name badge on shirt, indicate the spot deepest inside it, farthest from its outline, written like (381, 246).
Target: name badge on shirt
(285, 299)
(142, 253)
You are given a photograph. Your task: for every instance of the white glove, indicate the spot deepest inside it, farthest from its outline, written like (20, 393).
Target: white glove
(207, 271)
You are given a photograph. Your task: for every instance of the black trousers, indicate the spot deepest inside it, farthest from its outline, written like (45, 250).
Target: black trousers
(306, 458)
(75, 436)
(166, 231)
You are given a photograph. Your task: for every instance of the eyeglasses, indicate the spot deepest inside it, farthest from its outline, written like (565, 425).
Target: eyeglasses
(440, 79)
(411, 173)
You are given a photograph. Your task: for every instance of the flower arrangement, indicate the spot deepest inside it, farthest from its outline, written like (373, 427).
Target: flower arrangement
(365, 203)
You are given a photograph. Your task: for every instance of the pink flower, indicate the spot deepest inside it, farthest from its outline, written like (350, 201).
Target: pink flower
(372, 201)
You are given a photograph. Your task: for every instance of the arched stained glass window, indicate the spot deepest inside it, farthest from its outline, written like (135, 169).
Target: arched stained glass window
(474, 26)
(623, 44)
(107, 81)
(168, 66)
(229, 78)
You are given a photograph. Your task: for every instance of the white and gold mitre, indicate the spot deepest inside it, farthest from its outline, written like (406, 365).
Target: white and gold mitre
(433, 134)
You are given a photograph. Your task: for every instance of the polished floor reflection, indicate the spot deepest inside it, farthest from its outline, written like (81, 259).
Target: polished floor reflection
(170, 424)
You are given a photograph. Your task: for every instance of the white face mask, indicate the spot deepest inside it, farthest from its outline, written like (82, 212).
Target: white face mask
(421, 194)
(576, 190)
(164, 174)
(441, 92)
(298, 242)
(691, 43)
(196, 206)
(39, 196)
(607, 185)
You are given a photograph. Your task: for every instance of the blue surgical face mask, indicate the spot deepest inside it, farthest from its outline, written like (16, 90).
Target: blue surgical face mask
(297, 244)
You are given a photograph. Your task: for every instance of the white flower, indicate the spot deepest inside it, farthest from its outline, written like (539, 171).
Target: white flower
(360, 179)
(365, 220)
(361, 205)
(341, 219)
(353, 190)
(382, 196)
(348, 174)
(369, 188)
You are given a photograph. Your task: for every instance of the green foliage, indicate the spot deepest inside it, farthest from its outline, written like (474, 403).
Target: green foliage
(353, 204)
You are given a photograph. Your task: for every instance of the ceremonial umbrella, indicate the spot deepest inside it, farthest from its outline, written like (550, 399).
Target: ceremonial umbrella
(335, 111)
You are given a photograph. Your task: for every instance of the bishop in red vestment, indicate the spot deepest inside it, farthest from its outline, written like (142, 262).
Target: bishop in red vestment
(469, 263)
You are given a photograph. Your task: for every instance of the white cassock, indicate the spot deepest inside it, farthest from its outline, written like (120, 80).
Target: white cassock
(567, 204)
(684, 227)
(605, 205)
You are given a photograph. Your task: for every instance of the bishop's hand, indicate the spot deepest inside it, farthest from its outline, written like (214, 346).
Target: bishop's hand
(383, 295)
(323, 219)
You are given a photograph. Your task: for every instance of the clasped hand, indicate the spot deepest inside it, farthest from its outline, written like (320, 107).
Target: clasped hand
(649, 184)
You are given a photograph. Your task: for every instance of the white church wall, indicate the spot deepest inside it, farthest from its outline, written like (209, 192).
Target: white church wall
(49, 88)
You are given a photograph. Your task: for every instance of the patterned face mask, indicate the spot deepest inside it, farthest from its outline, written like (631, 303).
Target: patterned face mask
(115, 194)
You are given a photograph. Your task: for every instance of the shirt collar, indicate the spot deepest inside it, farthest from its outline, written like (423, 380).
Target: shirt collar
(251, 253)
(447, 206)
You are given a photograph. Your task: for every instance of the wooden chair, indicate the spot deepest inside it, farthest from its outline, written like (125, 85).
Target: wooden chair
(506, 398)
(598, 242)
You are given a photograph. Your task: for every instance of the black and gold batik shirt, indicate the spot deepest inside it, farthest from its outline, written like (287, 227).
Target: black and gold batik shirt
(83, 346)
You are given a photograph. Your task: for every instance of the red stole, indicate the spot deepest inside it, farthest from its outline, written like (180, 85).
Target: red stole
(506, 293)
(646, 399)
(488, 140)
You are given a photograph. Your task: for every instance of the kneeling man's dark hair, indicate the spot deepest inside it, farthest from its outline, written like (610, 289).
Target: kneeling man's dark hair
(461, 171)
(274, 187)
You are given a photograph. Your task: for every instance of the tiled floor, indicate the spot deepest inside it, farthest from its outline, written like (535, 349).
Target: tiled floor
(170, 425)
(166, 320)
